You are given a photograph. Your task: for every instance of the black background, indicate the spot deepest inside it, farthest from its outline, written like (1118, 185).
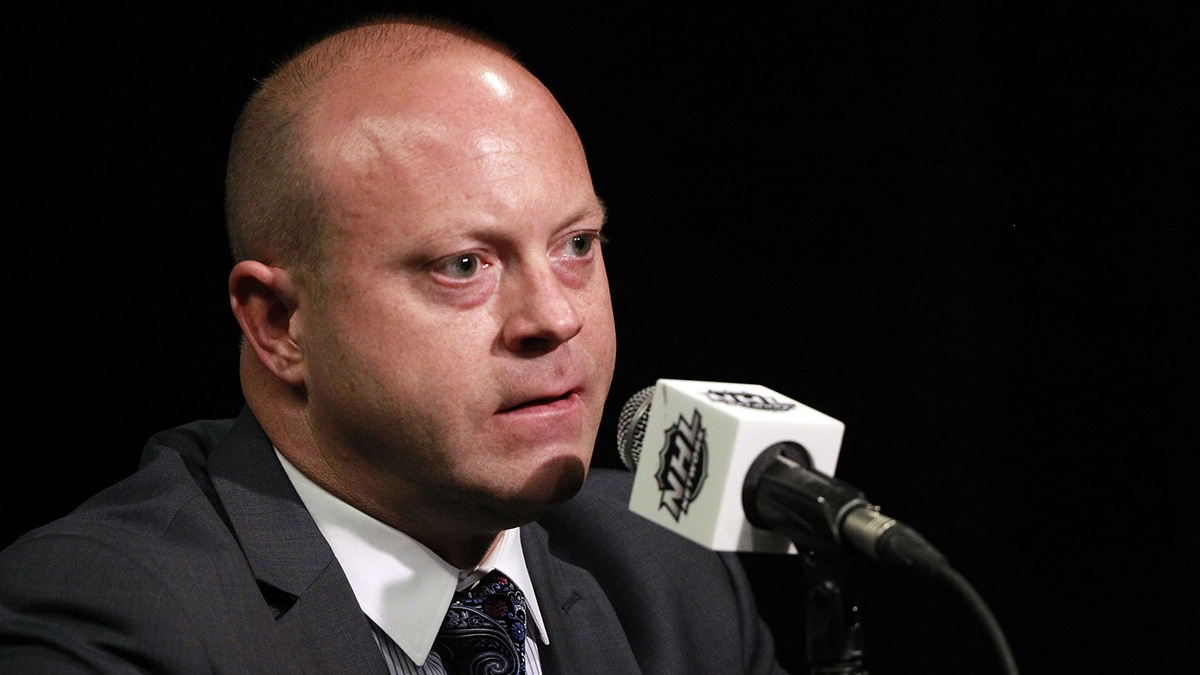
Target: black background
(968, 232)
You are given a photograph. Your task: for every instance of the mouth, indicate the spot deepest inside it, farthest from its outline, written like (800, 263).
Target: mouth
(540, 402)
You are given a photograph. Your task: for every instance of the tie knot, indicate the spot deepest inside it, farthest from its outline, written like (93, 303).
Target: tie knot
(484, 628)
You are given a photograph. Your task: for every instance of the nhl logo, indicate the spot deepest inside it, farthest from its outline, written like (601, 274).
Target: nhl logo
(749, 400)
(683, 465)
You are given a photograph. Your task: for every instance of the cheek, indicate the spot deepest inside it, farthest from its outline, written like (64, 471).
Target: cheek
(600, 318)
(438, 364)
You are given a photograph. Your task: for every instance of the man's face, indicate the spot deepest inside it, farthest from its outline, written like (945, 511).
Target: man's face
(464, 344)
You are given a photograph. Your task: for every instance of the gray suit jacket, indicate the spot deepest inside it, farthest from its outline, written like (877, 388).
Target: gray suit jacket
(206, 560)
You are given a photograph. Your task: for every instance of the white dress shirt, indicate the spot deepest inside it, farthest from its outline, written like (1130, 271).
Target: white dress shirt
(402, 586)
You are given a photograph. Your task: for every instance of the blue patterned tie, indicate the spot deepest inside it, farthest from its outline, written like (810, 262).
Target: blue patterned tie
(484, 629)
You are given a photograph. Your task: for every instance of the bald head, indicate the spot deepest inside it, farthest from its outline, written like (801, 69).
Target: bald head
(276, 206)
(420, 281)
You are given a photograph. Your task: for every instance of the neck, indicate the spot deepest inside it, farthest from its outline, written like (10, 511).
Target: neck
(282, 413)
(467, 554)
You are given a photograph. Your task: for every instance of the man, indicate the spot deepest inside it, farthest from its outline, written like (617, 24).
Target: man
(428, 344)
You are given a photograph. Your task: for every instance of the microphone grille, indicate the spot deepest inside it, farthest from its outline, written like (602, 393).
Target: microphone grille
(631, 427)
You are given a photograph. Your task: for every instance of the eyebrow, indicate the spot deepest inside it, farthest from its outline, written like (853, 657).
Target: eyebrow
(586, 212)
(589, 212)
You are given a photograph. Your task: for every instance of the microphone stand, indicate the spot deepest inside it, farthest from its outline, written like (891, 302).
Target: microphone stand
(832, 624)
(819, 513)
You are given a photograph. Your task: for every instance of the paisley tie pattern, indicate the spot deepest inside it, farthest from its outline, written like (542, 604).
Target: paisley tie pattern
(484, 629)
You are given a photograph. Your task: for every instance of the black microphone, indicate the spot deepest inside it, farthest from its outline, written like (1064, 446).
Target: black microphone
(760, 445)
(740, 464)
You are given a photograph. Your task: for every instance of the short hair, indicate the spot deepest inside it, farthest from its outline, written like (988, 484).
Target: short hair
(274, 208)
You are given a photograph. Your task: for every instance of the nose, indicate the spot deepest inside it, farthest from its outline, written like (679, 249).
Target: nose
(542, 313)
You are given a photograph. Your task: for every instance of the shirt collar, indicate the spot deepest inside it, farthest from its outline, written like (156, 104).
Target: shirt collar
(388, 569)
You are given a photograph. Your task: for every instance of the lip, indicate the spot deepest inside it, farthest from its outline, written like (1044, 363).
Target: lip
(539, 423)
(538, 404)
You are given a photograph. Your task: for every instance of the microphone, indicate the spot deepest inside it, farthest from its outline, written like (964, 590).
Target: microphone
(745, 468)
(740, 467)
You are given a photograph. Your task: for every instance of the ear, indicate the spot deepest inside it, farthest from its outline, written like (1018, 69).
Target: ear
(264, 301)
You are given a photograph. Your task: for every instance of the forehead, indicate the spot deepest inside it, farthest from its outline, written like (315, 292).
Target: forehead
(464, 100)
(462, 129)
(381, 99)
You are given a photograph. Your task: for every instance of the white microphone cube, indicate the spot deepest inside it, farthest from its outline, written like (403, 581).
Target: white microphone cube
(700, 440)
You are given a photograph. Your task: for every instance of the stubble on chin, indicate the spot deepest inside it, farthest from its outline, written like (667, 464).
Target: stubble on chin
(553, 483)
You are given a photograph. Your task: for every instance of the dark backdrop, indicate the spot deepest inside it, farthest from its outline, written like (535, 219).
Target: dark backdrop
(967, 232)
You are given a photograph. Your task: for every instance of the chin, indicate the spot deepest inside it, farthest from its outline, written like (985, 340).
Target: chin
(553, 483)
(560, 480)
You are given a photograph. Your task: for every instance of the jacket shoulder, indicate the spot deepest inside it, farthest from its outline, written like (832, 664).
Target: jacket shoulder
(683, 608)
(143, 570)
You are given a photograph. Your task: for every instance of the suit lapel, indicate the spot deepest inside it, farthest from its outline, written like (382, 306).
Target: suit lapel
(585, 633)
(299, 576)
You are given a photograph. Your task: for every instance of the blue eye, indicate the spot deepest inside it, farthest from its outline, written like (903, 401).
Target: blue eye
(460, 266)
(581, 244)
